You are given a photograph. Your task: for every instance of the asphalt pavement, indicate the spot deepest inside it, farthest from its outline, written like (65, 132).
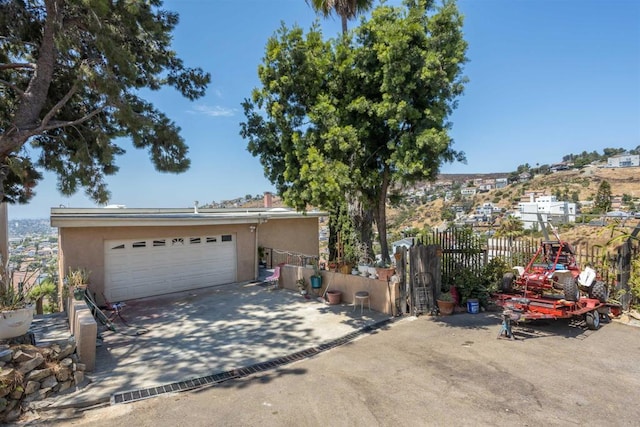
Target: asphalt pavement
(425, 371)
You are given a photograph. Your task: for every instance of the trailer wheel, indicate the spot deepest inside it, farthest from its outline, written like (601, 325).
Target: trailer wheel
(507, 282)
(593, 320)
(570, 288)
(599, 291)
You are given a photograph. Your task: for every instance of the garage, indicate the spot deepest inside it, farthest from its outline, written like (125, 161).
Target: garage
(136, 253)
(138, 268)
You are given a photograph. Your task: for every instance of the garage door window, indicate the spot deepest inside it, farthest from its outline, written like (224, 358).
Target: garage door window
(154, 266)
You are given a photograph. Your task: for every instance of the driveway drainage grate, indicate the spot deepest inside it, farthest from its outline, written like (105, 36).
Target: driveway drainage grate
(132, 396)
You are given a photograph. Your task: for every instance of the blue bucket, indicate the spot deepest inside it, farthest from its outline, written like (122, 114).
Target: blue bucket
(473, 306)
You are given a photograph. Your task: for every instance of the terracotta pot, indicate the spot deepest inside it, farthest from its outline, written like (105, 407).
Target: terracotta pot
(385, 273)
(334, 297)
(445, 307)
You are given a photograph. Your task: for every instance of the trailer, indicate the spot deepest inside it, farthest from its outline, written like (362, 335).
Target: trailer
(530, 306)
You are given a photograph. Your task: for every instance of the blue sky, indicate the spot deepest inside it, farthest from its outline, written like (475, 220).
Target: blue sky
(547, 78)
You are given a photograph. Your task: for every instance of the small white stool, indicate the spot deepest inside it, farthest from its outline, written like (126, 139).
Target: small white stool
(359, 297)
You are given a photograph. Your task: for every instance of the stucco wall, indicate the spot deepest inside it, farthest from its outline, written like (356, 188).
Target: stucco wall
(383, 295)
(293, 235)
(84, 247)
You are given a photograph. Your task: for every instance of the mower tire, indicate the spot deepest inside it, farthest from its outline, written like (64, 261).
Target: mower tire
(507, 282)
(599, 291)
(592, 320)
(570, 288)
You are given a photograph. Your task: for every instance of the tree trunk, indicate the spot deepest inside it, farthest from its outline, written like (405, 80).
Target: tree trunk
(362, 219)
(380, 214)
(27, 115)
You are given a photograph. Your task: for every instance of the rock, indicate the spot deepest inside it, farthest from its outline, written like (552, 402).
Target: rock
(4, 390)
(13, 414)
(78, 377)
(80, 367)
(65, 386)
(66, 362)
(16, 394)
(7, 377)
(38, 374)
(48, 382)
(6, 355)
(21, 356)
(31, 387)
(30, 365)
(3, 404)
(66, 351)
(63, 374)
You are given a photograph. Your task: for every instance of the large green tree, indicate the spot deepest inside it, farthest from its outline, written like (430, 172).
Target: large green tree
(71, 77)
(358, 115)
(345, 9)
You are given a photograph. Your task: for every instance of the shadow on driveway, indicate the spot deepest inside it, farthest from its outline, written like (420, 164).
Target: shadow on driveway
(192, 334)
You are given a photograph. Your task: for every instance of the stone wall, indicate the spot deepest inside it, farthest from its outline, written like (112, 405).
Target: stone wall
(29, 374)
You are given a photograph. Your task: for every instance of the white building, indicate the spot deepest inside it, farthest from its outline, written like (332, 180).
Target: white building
(468, 191)
(501, 182)
(624, 161)
(549, 208)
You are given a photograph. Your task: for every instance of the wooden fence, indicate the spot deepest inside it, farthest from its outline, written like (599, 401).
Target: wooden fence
(464, 250)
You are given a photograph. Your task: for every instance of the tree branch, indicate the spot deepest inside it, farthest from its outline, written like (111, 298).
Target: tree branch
(17, 65)
(59, 104)
(12, 87)
(57, 124)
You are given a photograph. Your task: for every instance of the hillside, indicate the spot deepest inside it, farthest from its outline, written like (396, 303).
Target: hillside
(584, 182)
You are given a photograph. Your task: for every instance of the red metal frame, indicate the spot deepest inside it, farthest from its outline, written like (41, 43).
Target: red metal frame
(539, 276)
(532, 307)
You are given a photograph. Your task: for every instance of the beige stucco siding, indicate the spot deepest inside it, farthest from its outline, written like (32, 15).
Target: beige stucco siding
(293, 235)
(84, 246)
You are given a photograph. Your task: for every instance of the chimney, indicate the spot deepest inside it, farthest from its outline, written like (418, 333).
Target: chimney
(268, 199)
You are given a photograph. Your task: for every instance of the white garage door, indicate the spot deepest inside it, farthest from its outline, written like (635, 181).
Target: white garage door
(147, 267)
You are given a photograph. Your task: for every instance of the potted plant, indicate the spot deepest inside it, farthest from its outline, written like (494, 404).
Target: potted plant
(316, 277)
(16, 309)
(445, 303)
(384, 270)
(78, 280)
(302, 286)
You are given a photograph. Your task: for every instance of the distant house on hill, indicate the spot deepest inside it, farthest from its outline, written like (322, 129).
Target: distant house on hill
(524, 177)
(548, 208)
(624, 161)
(501, 182)
(559, 167)
(468, 191)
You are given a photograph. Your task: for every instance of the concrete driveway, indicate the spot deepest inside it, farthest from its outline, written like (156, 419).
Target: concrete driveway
(179, 337)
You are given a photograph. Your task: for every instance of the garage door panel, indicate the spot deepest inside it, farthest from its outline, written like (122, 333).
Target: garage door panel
(139, 268)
